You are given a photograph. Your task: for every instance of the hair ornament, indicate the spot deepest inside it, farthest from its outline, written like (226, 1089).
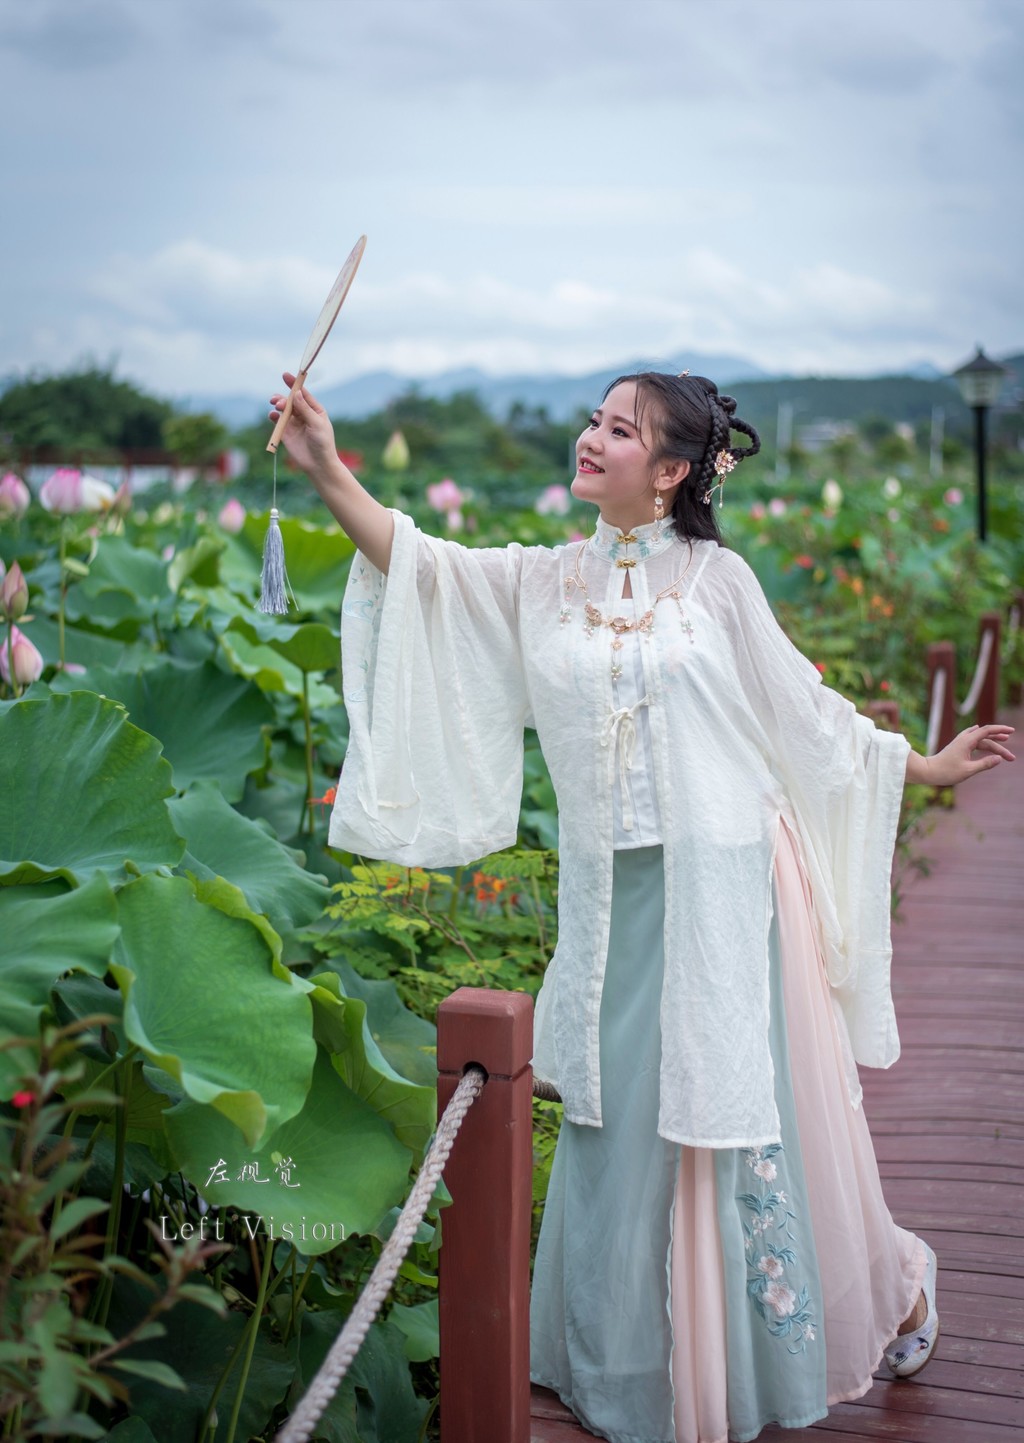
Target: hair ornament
(725, 462)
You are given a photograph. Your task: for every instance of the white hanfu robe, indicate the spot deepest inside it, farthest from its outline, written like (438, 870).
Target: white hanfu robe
(449, 656)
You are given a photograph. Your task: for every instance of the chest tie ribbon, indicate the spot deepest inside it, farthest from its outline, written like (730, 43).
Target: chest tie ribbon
(620, 730)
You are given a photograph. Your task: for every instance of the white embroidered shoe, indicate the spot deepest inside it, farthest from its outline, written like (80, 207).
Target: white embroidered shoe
(908, 1352)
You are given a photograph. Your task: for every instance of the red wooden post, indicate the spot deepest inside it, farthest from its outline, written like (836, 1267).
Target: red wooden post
(885, 711)
(988, 701)
(1016, 621)
(484, 1261)
(942, 657)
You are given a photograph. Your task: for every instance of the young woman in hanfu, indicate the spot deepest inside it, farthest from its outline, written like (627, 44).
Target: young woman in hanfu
(716, 1253)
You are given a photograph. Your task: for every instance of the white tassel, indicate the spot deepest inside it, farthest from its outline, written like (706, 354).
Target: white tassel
(274, 577)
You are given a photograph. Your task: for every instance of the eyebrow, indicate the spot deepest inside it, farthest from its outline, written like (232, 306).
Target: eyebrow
(624, 419)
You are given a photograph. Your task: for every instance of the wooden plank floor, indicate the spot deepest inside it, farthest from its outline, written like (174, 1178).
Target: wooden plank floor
(948, 1127)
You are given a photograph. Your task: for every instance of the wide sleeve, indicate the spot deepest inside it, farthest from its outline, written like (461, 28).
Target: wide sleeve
(844, 779)
(433, 684)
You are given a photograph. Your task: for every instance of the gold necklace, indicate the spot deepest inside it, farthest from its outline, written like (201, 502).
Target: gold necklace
(594, 619)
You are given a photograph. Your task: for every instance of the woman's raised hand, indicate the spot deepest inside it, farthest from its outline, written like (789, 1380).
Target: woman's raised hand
(956, 762)
(309, 435)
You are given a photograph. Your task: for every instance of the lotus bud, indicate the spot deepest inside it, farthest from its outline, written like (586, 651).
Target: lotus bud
(396, 452)
(553, 501)
(122, 502)
(444, 495)
(14, 495)
(891, 488)
(454, 519)
(14, 594)
(232, 516)
(68, 491)
(832, 495)
(25, 661)
(97, 495)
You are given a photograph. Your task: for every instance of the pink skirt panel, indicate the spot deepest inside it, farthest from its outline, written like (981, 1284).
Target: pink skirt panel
(870, 1269)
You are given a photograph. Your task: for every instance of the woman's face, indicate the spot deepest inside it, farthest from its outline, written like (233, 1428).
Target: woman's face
(613, 460)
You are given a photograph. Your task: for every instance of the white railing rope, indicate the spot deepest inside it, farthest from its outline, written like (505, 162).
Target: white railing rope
(970, 701)
(935, 714)
(345, 1347)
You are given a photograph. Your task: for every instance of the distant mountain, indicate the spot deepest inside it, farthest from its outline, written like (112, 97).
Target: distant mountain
(917, 387)
(563, 395)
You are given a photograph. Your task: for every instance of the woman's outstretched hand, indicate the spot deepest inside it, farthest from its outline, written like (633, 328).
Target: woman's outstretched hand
(309, 435)
(955, 763)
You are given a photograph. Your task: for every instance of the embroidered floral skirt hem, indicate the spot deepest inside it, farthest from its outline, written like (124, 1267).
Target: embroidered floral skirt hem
(691, 1295)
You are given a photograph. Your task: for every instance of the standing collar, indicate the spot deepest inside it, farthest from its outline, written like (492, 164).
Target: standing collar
(635, 545)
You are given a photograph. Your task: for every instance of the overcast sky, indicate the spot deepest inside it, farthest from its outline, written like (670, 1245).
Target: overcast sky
(828, 185)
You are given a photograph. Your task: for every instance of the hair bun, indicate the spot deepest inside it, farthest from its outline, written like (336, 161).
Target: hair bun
(727, 403)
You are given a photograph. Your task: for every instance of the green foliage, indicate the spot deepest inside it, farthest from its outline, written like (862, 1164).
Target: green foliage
(247, 1015)
(84, 412)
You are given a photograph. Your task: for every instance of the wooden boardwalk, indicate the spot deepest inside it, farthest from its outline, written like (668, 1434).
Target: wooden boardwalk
(948, 1127)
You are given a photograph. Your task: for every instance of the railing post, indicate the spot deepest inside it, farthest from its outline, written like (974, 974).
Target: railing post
(942, 657)
(988, 701)
(885, 711)
(1015, 622)
(484, 1261)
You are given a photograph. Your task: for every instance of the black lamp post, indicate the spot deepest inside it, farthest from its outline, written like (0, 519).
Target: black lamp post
(980, 382)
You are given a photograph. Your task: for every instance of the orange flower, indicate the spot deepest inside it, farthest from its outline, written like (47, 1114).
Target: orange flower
(327, 800)
(857, 585)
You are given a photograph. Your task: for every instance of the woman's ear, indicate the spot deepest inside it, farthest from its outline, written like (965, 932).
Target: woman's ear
(672, 473)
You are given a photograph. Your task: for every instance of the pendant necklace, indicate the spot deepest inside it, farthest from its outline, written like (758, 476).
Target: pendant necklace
(594, 619)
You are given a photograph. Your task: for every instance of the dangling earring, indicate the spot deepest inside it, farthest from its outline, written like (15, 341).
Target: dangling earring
(659, 512)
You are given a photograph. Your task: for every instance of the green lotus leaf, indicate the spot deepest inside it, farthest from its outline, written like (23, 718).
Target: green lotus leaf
(221, 842)
(116, 612)
(271, 671)
(47, 930)
(198, 564)
(380, 1368)
(332, 1170)
(120, 566)
(340, 1026)
(204, 1002)
(311, 646)
(317, 559)
(84, 791)
(198, 1344)
(210, 724)
(408, 1041)
(86, 648)
(421, 1328)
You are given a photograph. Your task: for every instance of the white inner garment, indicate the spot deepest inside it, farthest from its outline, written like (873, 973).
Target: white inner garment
(640, 799)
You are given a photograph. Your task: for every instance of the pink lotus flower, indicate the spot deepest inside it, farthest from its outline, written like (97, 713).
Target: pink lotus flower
(14, 495)
(231, 516)
(771, 1267)
(444, 495)
(757, 510)
(454, 519)
(953, 496)
(780, 1299)
(776, 506)
(553, 501)
(122, 502)
(27, 662)
(68, 491)
(14, 594)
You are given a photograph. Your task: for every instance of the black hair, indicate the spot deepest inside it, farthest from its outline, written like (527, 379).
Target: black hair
(691, 422)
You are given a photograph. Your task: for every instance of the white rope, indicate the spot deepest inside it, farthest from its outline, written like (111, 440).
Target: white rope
(935, 714)
(981, 670)
(345, 1347)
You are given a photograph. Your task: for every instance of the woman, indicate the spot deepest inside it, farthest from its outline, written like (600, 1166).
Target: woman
(715, 1251)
